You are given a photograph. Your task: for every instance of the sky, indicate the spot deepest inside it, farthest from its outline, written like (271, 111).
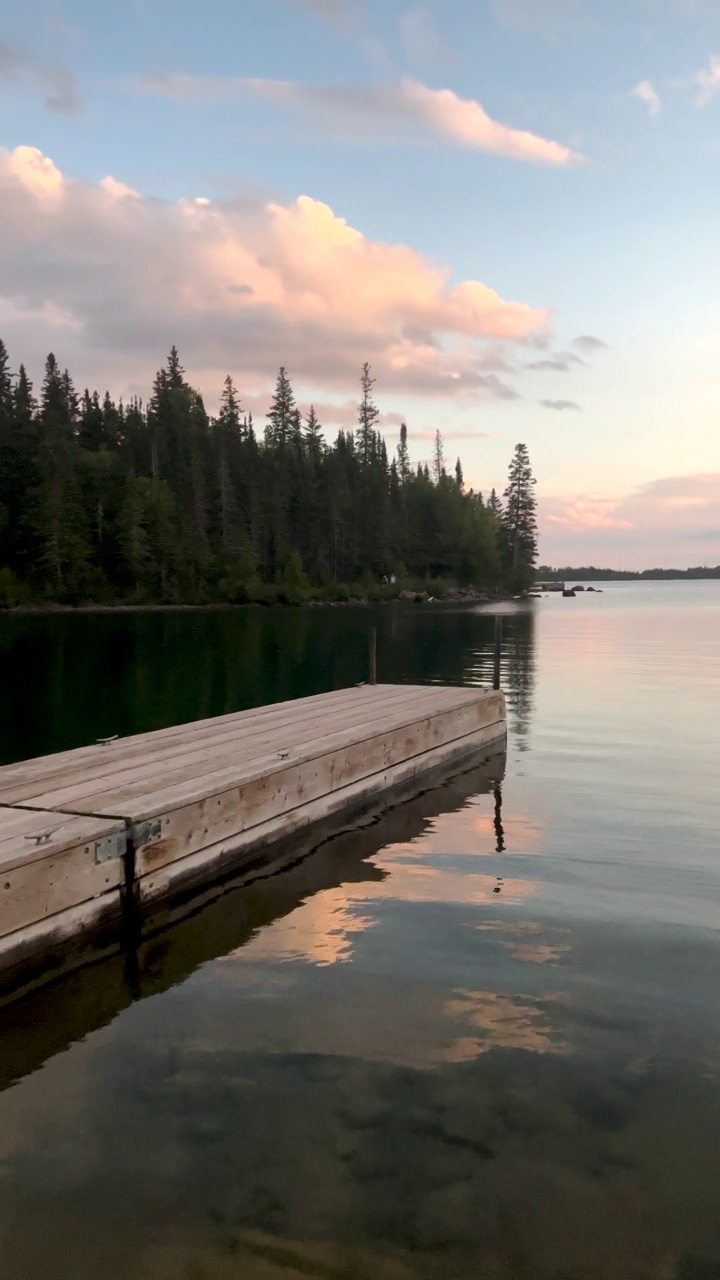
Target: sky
(510, 208)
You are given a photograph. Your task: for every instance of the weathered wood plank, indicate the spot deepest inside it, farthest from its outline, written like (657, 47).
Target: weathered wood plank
(276, 716)
(38, 880)
(83, 779)
(22, 832)
(130, 793)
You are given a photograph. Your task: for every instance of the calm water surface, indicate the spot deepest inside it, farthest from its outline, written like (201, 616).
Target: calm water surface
(478, 1039)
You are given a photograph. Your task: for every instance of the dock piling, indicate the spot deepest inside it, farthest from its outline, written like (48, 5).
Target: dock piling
(497, 653)
(372, 656)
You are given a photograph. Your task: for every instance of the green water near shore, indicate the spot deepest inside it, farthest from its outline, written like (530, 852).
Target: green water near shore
(479, 1039)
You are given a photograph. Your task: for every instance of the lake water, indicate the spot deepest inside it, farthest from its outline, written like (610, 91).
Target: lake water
(480, 1038)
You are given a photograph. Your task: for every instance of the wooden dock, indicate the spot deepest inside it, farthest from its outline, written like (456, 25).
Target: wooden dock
(95, 838)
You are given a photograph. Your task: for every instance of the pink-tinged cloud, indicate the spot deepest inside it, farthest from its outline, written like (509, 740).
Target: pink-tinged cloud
(585, 513)
(408, 110)
(708, 82)
(466, 122)
(242, 285)
(670, 523)
(647, 94)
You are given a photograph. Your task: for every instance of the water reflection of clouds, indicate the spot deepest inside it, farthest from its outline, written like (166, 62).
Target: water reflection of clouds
(323, 929)
(504, 1022)
(526, 940)
(320, 930)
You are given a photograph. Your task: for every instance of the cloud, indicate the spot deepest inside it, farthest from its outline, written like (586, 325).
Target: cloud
(563, 362)
(645, 92)
(708, 82)
(114, 278)
(449, 434)
(561, 405)
(671, 523)
(56, 81)
(585, 512)
(586, 342)
(409, 109)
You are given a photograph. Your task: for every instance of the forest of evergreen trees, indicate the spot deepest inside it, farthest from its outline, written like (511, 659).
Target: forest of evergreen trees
(161, 503)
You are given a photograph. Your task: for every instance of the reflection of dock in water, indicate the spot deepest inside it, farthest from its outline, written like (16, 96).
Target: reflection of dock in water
(50, 1019)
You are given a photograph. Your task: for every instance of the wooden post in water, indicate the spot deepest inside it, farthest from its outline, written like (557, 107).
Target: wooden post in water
(497, 651)
(372, 656)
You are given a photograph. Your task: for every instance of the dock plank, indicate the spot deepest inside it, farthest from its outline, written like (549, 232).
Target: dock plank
(82, 775)
(267, 719)
(42, 877)
(80, 785)
(370, 739)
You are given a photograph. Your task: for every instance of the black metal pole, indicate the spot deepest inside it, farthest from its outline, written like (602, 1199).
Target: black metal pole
(372, 657)
(497, 651)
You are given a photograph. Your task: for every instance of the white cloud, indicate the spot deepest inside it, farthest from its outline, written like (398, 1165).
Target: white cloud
(645, 92)
(111, 278)
(708, 82)
(406, 109)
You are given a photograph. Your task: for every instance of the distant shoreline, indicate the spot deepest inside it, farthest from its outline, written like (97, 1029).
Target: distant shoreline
(590, 574)
(566, 576)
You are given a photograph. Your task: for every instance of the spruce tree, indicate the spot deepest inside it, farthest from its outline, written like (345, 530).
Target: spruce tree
(403, 456)
(281, 414)
(368, 415)
(438, 463)
(313, 431)
(519, 523)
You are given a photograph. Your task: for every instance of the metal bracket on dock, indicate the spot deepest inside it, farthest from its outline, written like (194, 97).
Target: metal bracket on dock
(110, 847)
(146, 832)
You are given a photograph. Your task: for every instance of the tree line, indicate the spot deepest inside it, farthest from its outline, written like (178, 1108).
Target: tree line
(590, 573)
(164, 503)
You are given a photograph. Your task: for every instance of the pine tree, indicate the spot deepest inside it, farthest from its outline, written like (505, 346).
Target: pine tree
(494, 506)
(368, 416)
(6, 386)
(438, 463)
(403, 456)
(56, 409)
(91, 431)
(281, 414)
(7, 454)
(227, 444)
(519, 522)
(313, 431)
(459, 478)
